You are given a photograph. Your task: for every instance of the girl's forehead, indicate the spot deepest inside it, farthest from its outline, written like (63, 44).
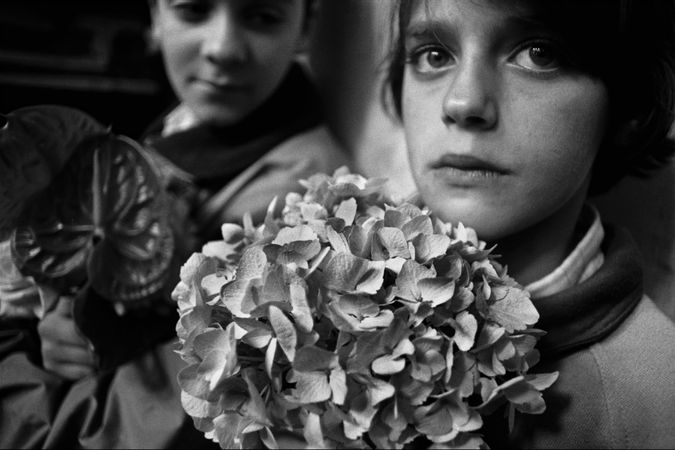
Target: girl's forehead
(491, 19)
(579, 22)
(557, 12)
(439, 10)
(282, 3)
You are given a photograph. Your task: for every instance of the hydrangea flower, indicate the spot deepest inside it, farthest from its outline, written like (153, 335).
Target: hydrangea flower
(352, 321)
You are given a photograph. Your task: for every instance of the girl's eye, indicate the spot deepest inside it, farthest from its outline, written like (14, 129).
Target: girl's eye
(190, 11)
(538, 57)
(430, 59)
(265, 17)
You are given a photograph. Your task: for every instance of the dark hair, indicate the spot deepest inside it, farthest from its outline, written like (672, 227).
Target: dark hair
(630, 46)
(310, 11)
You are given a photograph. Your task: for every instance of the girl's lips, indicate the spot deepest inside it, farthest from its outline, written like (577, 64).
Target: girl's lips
(221, 85)
(466, 163)
(465, 171)
(225, 86)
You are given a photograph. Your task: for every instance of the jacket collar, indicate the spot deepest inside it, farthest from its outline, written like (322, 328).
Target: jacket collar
(589, 311)
(581, 263)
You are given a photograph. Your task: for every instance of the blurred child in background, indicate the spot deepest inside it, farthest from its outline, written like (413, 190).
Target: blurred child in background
(244, 128)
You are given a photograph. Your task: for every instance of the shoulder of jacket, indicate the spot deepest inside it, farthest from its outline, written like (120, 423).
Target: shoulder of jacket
(316, 145)
(637, 375)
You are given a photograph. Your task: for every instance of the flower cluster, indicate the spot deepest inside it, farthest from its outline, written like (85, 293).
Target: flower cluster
(349, 321)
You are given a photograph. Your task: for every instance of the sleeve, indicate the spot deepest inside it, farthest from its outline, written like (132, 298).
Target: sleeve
(29, 395)
(135, 405)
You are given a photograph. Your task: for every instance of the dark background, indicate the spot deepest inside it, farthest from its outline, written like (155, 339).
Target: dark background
(93, 55)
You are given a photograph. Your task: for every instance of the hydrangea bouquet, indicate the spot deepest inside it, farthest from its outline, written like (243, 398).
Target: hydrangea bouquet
(352, 321)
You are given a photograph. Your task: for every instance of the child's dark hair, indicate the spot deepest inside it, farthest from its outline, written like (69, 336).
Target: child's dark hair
(630, 46)
(310, 11)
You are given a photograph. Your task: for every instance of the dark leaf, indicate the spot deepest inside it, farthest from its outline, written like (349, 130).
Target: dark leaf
(109, 200)
(35, 143)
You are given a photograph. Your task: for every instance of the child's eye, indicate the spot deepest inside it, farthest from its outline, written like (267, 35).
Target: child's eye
(264, 17)
(429, 59)
(538, 57)
(190, 10)
(266, 14)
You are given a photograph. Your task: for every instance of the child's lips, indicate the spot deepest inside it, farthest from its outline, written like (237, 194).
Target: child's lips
(468, 163)
(466, 170)
(222, 85)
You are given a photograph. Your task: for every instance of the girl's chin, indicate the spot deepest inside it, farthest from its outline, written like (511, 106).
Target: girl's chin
(220, 116)
(219, 113)
(486, 222)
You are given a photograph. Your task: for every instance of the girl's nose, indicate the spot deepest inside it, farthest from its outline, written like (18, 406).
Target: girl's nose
(4, 121)
(470, 98)
(225, 40)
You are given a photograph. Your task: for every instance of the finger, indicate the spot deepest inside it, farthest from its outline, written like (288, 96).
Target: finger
(61, 330)
(49, 297)
(65, 305)
(67, 335)
(70, 371)
(67, 354)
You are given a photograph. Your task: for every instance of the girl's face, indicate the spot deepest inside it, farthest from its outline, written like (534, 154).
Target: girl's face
(501, 130)
(224, 58)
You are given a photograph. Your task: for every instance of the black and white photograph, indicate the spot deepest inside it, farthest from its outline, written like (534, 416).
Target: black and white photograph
(324, 224)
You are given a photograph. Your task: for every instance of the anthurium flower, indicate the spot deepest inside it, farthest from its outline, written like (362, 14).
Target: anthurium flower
(101, 219)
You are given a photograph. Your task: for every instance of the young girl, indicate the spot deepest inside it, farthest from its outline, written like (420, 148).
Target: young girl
(513, 112)
(242, 130)
(244, 107)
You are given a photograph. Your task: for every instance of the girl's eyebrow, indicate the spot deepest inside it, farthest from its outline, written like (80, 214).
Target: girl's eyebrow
(432, 27)
(427, 28)
(283, 2)
(527, 23)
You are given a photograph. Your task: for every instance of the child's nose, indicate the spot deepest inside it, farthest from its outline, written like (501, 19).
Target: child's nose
(469, 101)
(224, 41)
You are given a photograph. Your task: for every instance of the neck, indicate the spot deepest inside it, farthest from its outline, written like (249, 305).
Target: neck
(538, 250)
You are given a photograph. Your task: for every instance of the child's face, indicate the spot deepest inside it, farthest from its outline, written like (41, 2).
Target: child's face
(501, 131)
(224, 58)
